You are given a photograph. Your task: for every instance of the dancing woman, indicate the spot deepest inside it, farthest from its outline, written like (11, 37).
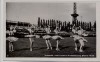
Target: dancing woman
(11, 38)
(31, 37)
(57, 37)
(47, 37)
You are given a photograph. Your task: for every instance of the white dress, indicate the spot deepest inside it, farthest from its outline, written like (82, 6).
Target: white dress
(47, 37)
(12, 39)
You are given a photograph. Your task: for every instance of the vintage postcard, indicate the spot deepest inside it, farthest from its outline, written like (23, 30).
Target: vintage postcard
(42, 30)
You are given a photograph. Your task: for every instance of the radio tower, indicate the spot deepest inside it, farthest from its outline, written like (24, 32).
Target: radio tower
(74, 15)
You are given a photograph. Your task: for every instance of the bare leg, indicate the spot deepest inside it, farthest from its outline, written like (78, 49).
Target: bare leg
(75, 46)
(85, 40)
(81, 45)
(57, 45)
(31, 44)
(47, 44)
(50, 44)
(9, 46)
(12, 47)
(81, 49)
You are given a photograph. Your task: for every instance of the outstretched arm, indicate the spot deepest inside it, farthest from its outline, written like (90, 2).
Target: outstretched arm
(84, 39)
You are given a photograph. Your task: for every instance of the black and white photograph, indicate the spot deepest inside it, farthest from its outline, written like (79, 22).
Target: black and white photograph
(50, 29)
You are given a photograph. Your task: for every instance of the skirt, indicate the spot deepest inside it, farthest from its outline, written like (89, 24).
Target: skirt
(47, 37)
(12, 39)
(34, 36)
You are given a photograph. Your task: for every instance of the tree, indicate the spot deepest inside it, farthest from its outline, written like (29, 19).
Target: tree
(68, 26)
(54, 24)
(58, 23)
(90, 25)
(83, 25)
(50, 22)
(65, 24)
(94, 25)
(61, 25)
(79, 23)
(46, 23)
(43, 23)
(39, 22)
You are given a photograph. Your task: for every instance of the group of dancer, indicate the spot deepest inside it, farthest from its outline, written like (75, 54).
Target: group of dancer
(77, 35)
(56, 37)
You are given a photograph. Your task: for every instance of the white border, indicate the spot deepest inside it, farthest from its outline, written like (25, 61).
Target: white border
(2, 29)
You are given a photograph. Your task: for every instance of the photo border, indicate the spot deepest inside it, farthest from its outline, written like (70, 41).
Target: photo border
(3, 31)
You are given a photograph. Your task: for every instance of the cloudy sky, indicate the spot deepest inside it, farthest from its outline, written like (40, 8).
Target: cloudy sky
(29, 12)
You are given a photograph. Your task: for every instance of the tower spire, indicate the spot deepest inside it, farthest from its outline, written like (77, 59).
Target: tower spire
(75, 8)
(74, 15)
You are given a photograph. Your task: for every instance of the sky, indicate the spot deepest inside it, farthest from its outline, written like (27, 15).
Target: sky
(29, 12)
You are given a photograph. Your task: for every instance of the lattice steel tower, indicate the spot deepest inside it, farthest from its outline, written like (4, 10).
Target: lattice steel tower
(74, 15)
